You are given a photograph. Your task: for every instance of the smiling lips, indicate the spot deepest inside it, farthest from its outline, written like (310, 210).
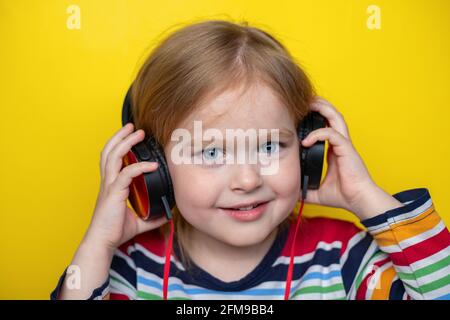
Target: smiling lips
(246, 212)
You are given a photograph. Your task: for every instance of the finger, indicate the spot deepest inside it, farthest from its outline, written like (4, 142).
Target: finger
(131, 171)
(114, 160)
(148, 225)
(333, 116)
(331, 161)
(116, 138)
(339, 143)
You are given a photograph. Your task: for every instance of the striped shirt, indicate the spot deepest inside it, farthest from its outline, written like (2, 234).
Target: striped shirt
(403, 254)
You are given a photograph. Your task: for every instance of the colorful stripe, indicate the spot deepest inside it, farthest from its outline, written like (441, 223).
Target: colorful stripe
(404, 254)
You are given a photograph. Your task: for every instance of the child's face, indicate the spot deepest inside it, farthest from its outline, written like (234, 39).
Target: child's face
(201, 190)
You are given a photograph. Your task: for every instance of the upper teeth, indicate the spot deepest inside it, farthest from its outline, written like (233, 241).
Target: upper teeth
(247, 208)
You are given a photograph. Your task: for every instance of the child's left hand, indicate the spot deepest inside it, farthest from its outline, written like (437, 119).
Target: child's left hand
(347, 183)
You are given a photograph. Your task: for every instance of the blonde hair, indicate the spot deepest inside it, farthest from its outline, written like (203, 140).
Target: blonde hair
(201, 60)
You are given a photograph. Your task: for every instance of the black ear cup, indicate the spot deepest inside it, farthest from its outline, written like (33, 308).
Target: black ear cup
(311, 159)
(165, 175)
(151, 194)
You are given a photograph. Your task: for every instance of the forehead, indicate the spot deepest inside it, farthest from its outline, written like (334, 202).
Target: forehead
(256, 107)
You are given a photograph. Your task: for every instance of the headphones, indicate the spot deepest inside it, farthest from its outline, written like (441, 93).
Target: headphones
(151, 194)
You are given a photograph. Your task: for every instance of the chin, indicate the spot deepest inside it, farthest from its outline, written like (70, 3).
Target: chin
(246, 238)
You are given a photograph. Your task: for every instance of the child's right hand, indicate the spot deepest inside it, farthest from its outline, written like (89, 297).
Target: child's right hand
(113, 222)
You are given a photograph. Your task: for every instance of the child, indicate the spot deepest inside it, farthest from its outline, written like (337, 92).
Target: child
(231, 76)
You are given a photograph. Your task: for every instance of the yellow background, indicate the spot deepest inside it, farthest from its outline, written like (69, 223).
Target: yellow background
(62, 93)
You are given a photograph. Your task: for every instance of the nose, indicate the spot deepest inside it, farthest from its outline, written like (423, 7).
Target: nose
(245, 178)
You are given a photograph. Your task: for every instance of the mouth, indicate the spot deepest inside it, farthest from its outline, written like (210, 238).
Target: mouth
(246, 212)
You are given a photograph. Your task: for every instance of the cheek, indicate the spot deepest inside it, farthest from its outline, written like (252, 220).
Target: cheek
(194, 189)
(286, 182)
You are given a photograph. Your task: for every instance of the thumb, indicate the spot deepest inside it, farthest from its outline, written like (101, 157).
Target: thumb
(148, 225)
(312, 197)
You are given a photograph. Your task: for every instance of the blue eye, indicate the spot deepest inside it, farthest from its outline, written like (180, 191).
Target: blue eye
(270, 147)
(211, 154)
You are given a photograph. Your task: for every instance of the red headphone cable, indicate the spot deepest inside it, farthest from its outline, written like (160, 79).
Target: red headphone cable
(167, 263)
(291, 261)
(169, 216)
